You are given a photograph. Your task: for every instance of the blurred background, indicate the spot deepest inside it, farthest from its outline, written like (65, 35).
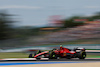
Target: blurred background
(48, 24)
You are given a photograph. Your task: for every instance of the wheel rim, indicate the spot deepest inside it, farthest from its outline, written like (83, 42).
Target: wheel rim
(83, 54)
(53, 56)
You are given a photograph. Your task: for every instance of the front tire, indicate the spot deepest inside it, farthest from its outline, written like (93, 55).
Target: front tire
(30, 55)
(53, 55)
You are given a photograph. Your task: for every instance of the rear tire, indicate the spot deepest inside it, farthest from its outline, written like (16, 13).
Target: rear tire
(82, 55)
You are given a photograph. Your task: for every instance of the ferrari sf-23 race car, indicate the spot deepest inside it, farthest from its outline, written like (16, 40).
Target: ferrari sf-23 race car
(60, 53)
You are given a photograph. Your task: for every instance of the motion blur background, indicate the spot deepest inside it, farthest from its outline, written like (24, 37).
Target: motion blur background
(26, 23)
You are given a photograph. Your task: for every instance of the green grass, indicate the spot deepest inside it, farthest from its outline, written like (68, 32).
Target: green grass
(25, 55)
(93, 56)
(13, 55)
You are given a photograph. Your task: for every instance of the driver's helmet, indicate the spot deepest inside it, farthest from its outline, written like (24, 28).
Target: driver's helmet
(61, 47)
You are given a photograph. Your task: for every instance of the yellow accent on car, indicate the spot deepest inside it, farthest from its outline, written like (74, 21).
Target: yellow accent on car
(64, 54)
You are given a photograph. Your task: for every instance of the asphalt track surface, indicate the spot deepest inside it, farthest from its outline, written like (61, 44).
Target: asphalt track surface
(88, 62)
(63, 59)
(51, 61)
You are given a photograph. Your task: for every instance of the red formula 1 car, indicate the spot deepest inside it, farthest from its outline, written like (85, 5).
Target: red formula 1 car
(60, 53)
